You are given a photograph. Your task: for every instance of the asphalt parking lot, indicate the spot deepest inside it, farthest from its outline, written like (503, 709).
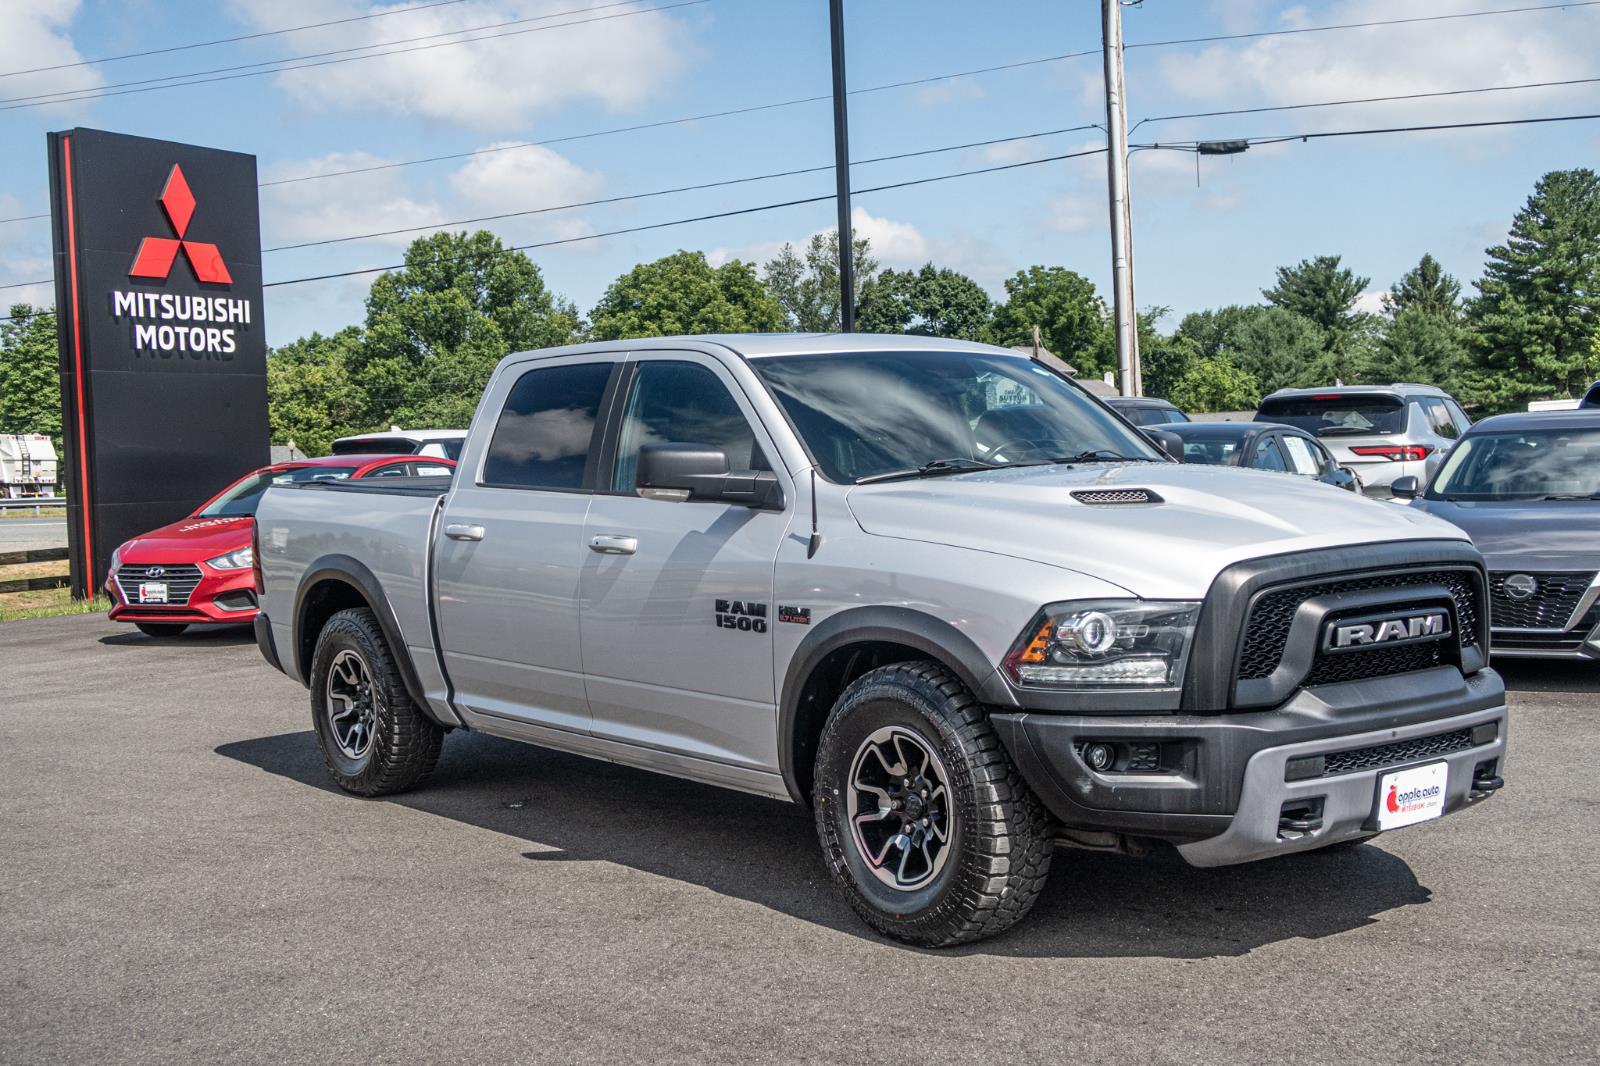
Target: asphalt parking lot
(181, 883)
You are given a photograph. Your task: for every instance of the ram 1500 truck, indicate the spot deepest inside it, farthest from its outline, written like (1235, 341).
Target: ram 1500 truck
(931, 589)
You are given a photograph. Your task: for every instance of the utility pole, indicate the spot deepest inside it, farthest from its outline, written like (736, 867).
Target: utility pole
(841, 166)
(1121, 212)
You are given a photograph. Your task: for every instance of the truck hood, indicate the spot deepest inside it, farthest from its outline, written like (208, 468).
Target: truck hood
(1527, 534)
(188, 540)
(1211, 517)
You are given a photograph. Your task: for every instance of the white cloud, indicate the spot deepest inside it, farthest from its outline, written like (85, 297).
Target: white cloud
(893, 243)
(524, 178)
(1371, 303)
(1392, 60)
(342, 206)
(36, 36)
(497, 83)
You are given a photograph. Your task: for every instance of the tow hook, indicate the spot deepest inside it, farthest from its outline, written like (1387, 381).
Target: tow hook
(1299, 817)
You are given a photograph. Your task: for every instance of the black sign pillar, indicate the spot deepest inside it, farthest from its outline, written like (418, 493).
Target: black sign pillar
(159, 323)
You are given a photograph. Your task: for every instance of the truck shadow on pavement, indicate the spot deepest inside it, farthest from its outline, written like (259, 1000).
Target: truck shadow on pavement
(765, 852)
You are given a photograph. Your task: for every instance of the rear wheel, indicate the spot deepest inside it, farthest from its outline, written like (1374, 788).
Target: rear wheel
(928, 829)
(161, 629)
(375, 740)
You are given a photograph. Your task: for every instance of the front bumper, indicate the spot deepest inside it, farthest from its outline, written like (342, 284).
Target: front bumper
(1219, 791)
(222, 597)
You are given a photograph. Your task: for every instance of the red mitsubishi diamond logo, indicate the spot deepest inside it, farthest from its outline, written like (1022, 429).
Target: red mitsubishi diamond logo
(155, 255)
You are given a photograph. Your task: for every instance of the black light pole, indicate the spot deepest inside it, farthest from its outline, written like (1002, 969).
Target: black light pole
(841, 166)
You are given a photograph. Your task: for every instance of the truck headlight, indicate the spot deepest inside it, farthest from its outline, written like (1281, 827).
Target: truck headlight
(234, 560)
(1105, 644)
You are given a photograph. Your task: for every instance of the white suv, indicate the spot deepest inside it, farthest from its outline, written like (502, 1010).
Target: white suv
(1381, 432)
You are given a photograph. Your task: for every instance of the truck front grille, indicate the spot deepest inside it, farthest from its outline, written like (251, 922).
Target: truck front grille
(1550, 607)
(1267, 628)
(180, 578)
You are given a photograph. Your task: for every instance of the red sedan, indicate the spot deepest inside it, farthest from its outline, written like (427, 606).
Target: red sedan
(198, 569)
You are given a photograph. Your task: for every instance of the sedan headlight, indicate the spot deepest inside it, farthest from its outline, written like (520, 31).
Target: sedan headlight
(235, 560)
(116, 559)
(1105, 644)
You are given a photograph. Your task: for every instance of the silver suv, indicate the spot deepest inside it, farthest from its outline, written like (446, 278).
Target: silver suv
(1381, 432)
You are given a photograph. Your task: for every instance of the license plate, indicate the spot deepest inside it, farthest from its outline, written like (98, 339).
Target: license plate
(1406, 797)
(152, 592)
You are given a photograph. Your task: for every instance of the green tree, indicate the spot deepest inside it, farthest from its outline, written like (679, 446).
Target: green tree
(1324, 292)
(1071, 317)
(1420, 345)
(1425, 287)
(436, 328)
(1534, 318)
(931, 302)
(683, 294)
(311, 396)
(30, 374)
(1215, 384)
(808, 288)
(1163, 360)
(1212, 331)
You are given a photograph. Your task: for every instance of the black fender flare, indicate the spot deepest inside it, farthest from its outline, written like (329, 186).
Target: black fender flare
(934, 637)
(354, 573)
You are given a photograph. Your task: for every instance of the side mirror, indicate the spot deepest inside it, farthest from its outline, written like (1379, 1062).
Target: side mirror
(700, 472)
(1170, 443)
(1405, 488)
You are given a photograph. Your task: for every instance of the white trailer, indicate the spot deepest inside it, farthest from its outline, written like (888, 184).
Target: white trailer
(28, 466)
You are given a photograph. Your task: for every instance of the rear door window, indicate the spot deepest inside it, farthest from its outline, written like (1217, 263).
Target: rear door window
(545, 433)
(1338, 414)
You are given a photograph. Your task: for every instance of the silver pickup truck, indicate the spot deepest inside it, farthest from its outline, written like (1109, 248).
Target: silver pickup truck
(932, 590)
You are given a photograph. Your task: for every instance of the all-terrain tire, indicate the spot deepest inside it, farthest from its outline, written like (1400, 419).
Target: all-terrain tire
(404, 743)
(160, 630)
(1000, 838)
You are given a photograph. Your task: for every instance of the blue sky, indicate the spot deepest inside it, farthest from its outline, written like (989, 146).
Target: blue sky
(1378, 201)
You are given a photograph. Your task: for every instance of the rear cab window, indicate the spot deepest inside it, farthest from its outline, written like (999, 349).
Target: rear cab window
(545, 435)
(1338, 414)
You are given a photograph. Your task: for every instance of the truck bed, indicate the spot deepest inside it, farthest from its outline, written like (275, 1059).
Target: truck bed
(384, 525)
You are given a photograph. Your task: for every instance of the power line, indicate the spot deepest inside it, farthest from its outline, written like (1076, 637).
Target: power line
(66, 98)
(23, 218)
(233, 40)
(95, 92)
(703, 218)
(672, 191)
(1190, 146)
(1365, 25)
(1376, 99)
(660, 123)
(682, 120)
(685, 221)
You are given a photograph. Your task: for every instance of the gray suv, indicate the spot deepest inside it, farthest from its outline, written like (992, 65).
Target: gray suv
(1380, 432)
(932, 591)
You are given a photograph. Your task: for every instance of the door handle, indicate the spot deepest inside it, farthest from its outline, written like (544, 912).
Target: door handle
(461, 531)
(609, 545)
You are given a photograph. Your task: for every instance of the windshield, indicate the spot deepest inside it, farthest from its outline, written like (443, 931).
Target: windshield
(1530, 465)
(875, 414)
(1337, 415)
(375, 446)
(243, 497)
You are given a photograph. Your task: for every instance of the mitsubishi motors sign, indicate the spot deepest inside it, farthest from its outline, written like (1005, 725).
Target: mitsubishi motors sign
(163, 357)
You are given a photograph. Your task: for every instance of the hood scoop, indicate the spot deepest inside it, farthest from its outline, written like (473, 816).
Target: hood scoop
(1115, 497)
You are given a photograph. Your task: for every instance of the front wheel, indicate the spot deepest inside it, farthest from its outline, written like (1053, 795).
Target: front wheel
(161, 630)
(375, 740)
(928, 829)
